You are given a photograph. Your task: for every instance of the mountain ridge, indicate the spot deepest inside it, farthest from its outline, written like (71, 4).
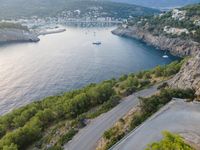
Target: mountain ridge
(160, 3)
(46, 8)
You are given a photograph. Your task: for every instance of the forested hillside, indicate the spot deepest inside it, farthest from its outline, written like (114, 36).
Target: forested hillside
(183, 23)
(53, 121)
(177, 31)
(160, 3)
(23, 8)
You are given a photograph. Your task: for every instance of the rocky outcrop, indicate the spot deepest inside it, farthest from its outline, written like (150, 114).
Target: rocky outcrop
(17, 35)
(176, 46)
(189, 75)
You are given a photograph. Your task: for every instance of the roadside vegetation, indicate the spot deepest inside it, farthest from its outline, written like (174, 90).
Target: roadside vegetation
(147, 107)
(170, 141)
(53, 121)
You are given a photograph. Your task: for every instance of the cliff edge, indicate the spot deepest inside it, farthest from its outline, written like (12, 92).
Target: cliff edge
(189, 75)
(175, 46)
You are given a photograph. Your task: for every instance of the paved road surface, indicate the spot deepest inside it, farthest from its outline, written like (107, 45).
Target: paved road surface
(87, 138)
(178, 116)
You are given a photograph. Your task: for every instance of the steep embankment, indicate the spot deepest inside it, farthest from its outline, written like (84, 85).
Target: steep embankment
(177, 31)
(189, 75)
(176, 46)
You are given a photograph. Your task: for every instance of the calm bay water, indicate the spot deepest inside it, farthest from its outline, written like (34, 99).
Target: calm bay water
(65, 61)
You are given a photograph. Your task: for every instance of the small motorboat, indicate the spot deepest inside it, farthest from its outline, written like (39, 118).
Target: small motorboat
(96, 43)
(165, 56)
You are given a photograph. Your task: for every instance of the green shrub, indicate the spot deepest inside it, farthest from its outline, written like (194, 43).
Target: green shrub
(56, 148)
(122, 78)
(151, 104)
(11, 147)
(137, 120)
(163, 85)
(67, 137)
(170, 142)
(24, 126)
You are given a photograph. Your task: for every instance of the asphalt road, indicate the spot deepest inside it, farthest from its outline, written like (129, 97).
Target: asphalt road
(88, 137)
(177, 117)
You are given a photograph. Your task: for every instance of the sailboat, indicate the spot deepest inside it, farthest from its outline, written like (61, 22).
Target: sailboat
(96, 43)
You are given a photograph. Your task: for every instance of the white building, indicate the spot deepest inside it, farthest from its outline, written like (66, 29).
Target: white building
(178, 15)
(175, 31)
(78, 12)
(197, 22)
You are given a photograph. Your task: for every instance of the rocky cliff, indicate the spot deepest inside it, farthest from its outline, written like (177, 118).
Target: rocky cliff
(17, 35)
(189, 75)
(176, 46)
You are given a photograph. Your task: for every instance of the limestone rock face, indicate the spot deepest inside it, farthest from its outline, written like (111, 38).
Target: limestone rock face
(176, 46)
(189, 75)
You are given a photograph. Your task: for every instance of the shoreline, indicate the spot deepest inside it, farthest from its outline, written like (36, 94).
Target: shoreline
(50, 31)
(13, 36)
(175, 46)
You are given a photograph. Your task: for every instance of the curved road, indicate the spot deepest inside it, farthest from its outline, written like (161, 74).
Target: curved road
(88, 137)
(178, 117)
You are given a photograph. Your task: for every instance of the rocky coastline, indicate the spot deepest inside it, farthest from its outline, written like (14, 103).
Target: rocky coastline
(189, 75)
(175, 46)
